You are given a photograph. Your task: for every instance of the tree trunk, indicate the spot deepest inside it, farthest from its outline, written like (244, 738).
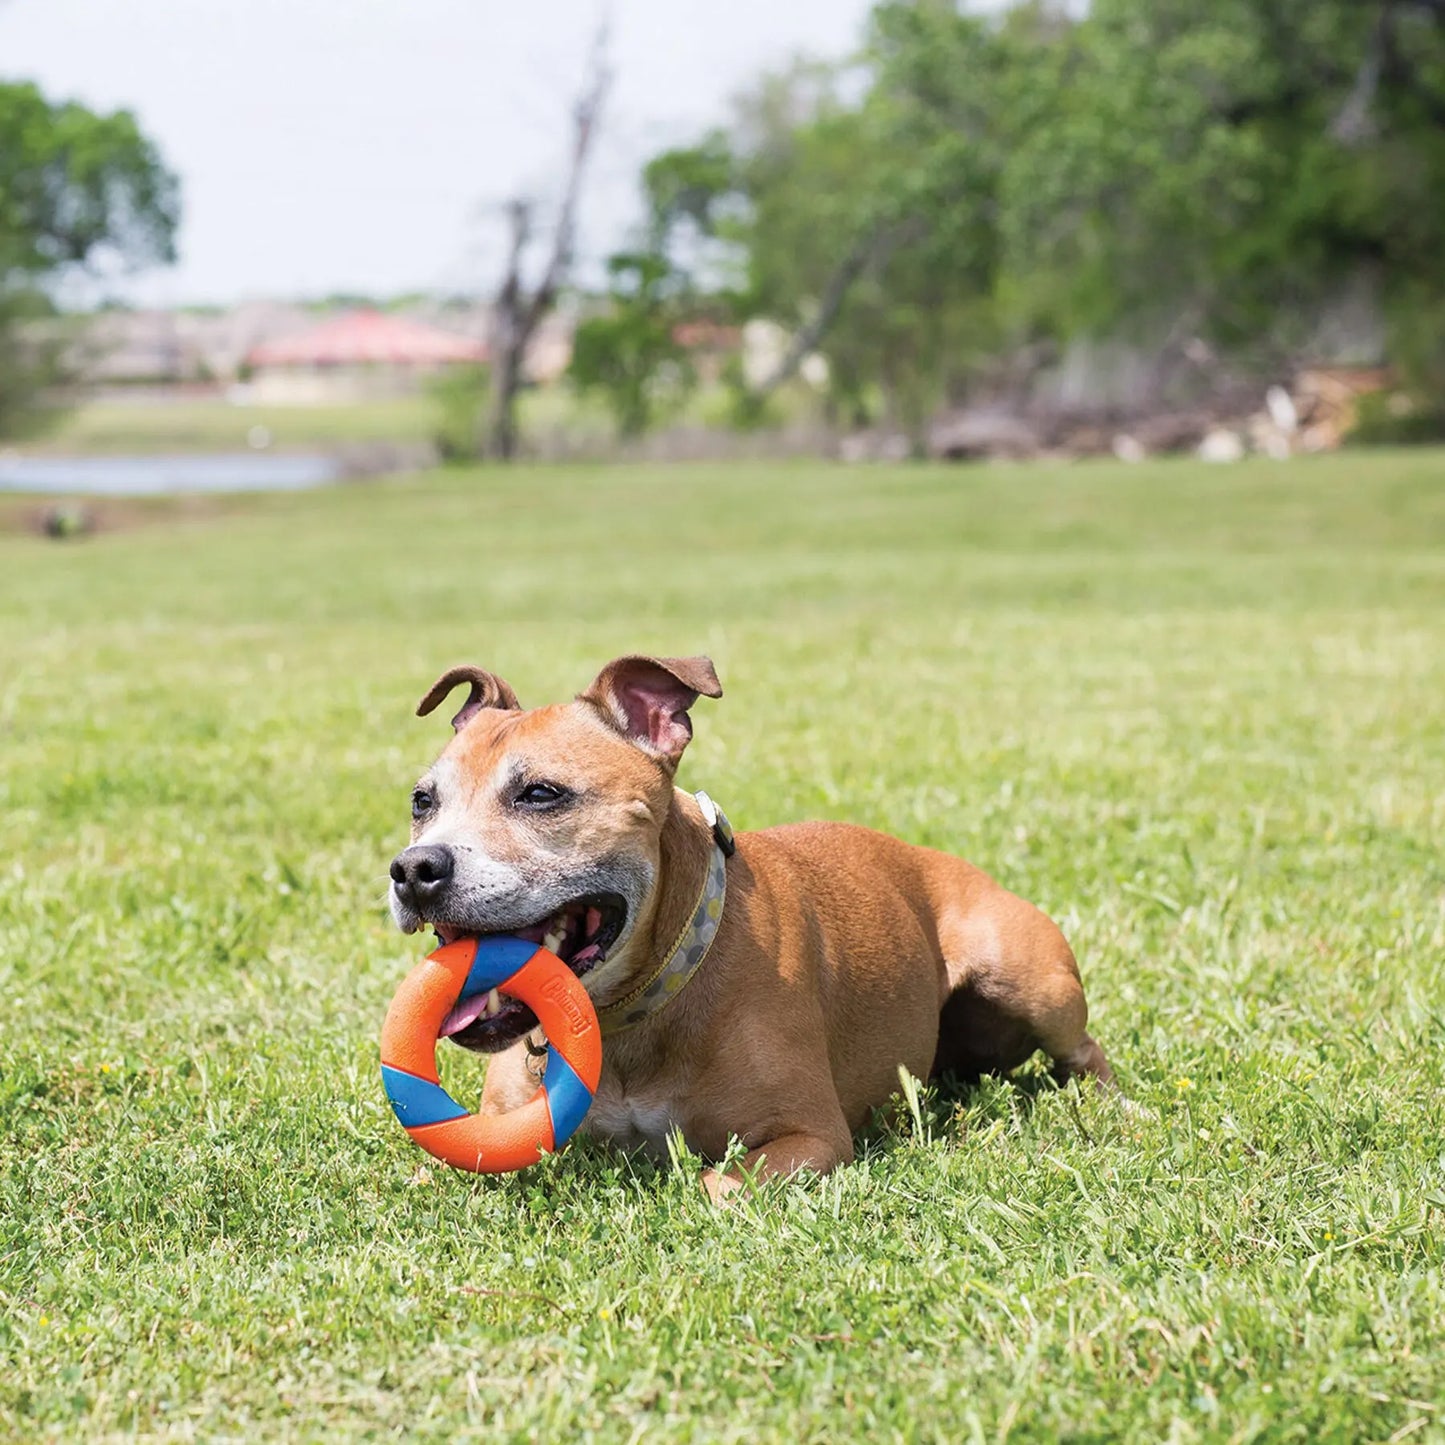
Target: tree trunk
(869, 248)
(501, 440)
(508, 345)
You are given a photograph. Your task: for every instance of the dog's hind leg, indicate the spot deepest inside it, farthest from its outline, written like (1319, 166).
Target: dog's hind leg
(1014, 988)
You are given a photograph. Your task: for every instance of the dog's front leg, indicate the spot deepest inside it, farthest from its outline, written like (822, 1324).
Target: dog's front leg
(513, 1076)
(778, 1158)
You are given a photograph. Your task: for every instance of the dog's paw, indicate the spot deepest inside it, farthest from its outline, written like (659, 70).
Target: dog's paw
(1113, 1097)
(720, 1187)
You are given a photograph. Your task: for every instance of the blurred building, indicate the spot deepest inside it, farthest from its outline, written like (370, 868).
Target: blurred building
(282, 351)
(358, 354)
(169, 348)
(710, 346)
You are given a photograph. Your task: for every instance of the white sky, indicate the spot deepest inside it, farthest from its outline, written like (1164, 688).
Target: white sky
(355, 144)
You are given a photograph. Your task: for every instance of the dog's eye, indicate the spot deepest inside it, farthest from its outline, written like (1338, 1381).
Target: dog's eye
(422, 802)
(541, 795)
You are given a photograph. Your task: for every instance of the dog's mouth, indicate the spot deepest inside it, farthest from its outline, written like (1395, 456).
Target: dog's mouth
(579, 933)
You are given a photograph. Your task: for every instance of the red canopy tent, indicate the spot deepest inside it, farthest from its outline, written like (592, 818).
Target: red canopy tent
(363, 338)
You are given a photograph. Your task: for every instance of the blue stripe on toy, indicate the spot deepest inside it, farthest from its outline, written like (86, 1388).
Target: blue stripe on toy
(418, 1101)
(568, 1098)
(494, 962)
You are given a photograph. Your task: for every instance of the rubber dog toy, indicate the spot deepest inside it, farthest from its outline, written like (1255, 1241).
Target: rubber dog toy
(458, 971)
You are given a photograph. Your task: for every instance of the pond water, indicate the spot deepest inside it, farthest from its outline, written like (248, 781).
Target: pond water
(165, 475)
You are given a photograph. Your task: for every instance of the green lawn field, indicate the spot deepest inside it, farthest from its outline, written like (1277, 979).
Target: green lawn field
(1196, 713)
(192, 424)
(208, 425)
(554, 419)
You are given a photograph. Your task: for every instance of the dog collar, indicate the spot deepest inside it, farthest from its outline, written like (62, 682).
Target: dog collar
(686, 955)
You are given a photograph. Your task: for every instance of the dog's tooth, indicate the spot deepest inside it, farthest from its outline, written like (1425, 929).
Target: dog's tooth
(494, 1002)
(553, 941)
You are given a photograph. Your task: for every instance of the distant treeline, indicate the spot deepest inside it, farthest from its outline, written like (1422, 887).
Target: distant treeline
(973, 192)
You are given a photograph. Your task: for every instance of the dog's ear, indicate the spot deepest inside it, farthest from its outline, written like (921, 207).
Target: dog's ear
(487, 690)
(647, 698)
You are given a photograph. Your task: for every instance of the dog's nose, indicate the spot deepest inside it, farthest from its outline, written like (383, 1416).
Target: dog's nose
(420, 875)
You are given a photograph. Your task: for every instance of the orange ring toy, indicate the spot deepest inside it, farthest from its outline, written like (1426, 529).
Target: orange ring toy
(498, 1143)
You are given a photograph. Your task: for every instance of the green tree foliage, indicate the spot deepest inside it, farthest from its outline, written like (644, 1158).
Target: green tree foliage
(77, 189)
(28, 367)
(1232, 163)
(976, 186)
(628, 354)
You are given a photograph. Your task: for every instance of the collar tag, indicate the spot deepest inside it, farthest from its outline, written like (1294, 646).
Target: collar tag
(717, 820)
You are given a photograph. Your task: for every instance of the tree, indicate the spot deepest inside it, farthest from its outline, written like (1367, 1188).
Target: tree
(629, 354)
(78, 190)
(1232, 165)
(974, 190)
(866, 226)
(520, 310)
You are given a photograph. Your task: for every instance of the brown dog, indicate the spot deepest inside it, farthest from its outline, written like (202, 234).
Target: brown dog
(768, 992)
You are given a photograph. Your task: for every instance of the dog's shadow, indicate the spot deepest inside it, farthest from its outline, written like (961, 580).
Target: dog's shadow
(950, 1107)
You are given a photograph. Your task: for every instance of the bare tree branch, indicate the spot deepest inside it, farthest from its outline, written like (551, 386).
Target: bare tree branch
(1355, 122)
(871, 248)
(517, 315)
(586, 116)
(509, 343)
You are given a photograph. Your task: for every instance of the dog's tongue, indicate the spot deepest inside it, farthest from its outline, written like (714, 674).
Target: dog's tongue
(467, 1012)
(470, 1010)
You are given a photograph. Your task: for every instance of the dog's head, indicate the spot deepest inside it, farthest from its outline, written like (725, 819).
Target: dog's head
(546, 822)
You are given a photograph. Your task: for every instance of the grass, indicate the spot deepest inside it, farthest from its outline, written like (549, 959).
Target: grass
(1198, 714)
(554, 418)
(208, 424)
